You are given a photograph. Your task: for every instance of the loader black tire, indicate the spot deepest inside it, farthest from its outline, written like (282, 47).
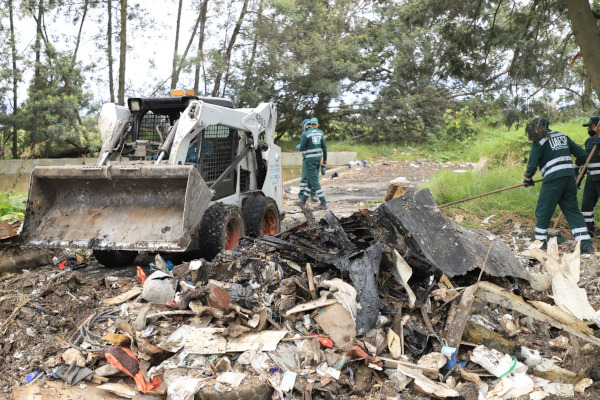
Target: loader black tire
(115, 258)
(222, 227)
(261, 216)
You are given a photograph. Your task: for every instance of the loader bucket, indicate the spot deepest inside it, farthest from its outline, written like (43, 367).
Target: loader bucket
(150, 207)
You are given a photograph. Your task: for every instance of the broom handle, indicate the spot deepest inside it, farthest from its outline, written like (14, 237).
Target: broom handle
(579, 178)
(485, 194)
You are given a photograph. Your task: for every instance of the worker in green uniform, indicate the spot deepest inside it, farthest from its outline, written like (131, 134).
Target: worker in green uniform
(591, 191)
(313, 149)
(551, 152)
(305, 125)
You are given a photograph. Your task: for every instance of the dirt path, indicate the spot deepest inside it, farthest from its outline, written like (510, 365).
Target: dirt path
(365, 187)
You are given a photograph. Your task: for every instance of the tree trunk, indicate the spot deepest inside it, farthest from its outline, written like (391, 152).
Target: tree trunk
(587, 35)
(74, 58)
(85, 9)
(203, 12)
(249, 66)
(37, 48)
(175, 78)
(587, 103)
(229, 50)
(181, 61)
(109, 33)
(123, 52)
(15, 78)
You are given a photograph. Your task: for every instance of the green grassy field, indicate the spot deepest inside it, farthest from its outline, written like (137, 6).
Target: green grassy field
(507, 151)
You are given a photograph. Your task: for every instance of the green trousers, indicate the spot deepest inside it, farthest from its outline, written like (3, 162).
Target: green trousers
(562, 192)
(309, 181)
(591, 192)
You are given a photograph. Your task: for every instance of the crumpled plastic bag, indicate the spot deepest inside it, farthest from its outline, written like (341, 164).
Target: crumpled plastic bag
(184, 388)
(242, 295)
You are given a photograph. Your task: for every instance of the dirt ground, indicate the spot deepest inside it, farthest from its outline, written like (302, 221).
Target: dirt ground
(40, 309)
(365, 187)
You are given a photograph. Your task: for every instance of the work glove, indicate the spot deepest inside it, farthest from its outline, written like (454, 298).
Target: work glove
(528, 182)
(298, 147)
(596, 140)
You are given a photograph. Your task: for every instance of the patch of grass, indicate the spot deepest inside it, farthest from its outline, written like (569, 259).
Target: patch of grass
(12, 207)
(447, 186)
(369, 152)
(500, 144)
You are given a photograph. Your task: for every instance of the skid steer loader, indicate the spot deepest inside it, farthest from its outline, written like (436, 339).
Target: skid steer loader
(174, 175)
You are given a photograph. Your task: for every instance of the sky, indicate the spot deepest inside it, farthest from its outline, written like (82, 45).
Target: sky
(149, 61)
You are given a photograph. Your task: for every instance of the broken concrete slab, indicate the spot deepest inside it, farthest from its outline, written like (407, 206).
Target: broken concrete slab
(453, 249)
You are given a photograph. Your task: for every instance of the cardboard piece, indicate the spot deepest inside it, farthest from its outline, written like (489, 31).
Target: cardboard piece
(211, 341)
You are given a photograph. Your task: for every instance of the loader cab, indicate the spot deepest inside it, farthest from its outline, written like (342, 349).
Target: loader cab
(153, 117)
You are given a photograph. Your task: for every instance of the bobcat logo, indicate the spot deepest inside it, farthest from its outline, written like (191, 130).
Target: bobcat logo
(559, 143)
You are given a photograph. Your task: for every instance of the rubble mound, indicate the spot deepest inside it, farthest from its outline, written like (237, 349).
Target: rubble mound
(398, 302)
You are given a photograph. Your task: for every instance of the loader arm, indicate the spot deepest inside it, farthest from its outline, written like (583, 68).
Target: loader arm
(198, 115)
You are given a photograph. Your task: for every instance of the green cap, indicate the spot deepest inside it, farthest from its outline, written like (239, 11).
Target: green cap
(313, 120)
(304, 122)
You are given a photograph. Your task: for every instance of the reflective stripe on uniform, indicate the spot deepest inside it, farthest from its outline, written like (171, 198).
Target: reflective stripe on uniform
(558, 168)
(540, 233)
(555, 161)
(582, 237)
(312, 151)
(579, 230)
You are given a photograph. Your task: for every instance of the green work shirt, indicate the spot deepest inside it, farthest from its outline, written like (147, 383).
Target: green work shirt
(312, 144)
(553, 156)
(593, 168)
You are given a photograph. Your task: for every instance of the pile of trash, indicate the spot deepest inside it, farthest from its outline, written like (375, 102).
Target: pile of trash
(398, 302)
